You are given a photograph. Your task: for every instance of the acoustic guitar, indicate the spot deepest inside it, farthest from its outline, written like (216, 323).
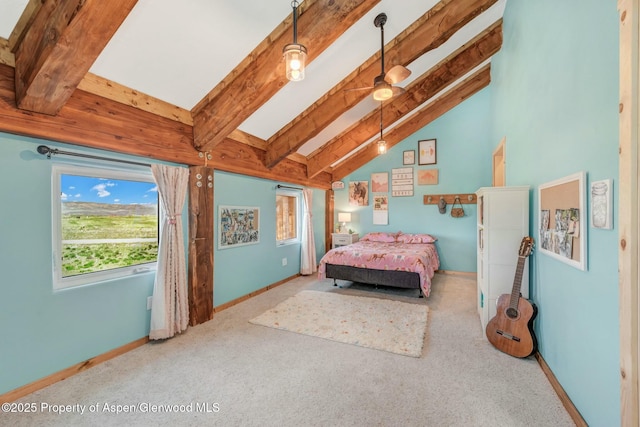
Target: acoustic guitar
(511, 330)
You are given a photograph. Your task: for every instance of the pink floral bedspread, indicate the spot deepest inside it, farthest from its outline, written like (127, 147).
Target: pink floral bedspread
(421, 258)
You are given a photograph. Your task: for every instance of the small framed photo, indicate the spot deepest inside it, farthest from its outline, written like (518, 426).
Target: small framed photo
(427, 152)
(601, 203)
(409, 157)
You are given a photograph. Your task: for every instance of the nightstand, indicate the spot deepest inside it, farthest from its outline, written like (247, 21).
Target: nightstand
(342, 239)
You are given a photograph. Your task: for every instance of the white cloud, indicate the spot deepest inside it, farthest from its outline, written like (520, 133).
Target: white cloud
(153, 190)
(77, 196)
(63, 196)
(101, 189)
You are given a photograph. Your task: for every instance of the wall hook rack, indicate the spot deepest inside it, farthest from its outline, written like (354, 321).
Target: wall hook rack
(464, 198)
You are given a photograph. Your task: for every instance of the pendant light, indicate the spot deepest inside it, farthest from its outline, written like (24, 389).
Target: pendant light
(382, 144)
(295, 54)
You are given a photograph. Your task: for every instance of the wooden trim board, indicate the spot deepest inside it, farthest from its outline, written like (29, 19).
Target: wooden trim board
(252, 294)
(70, 371)
(20, 392)
(564, 397)
(458, 273)
(629, 212)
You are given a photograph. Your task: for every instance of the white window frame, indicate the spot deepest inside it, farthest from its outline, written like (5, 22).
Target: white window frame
(297, 195)
(99, 171)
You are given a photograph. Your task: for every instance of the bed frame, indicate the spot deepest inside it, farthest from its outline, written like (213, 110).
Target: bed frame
(395, 278)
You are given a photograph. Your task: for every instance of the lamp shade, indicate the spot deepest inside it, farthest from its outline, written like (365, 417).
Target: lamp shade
(382, 91)
(344, 217)
(295, 54)
(295, 57)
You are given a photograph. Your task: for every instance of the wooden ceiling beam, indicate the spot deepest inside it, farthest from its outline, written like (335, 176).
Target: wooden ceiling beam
(261, 75)
(441, 105)
(92, 121)
(116, 92)
(425, 34)
(6, 56)
(449, 70)
(95, 122)
(237, 157)
(27, 17)
(59, 47)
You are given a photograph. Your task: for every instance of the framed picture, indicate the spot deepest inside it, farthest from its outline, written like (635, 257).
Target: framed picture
(601, 204)
(380, 182)
(402, 182)
(428, 177)
(359, 193)
(409, 157)
(238, 226)
(561, 227)
(427, 152)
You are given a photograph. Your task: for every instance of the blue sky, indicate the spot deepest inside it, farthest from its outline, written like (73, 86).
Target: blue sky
(76, 188)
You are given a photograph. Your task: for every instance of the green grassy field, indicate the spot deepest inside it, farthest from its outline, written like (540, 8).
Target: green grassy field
(108, 227)
(88, 258)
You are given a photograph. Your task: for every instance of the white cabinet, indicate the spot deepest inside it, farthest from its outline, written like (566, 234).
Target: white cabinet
(342, 239)
(503, 221)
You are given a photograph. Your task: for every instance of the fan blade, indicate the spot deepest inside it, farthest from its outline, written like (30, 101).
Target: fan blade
(397, 74)
(358, 88)
(397, 91)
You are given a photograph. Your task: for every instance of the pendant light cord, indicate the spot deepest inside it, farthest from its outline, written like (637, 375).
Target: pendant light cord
(294, 5)
(381, 139)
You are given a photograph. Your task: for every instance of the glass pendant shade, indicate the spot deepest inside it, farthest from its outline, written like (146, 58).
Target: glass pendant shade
(382, 146)
(295, 57)
(295, 54)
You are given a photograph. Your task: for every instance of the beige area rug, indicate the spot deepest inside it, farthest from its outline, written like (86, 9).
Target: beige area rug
(381, 324)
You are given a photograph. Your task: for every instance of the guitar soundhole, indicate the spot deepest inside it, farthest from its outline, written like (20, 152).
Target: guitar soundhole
(512, 313)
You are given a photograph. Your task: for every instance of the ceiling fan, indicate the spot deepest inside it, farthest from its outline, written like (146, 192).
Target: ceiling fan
(383, 84)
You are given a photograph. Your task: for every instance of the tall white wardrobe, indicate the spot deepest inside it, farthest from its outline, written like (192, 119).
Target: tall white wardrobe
(503, 221)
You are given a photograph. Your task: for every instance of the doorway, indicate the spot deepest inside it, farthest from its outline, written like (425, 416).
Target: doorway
(499, 156)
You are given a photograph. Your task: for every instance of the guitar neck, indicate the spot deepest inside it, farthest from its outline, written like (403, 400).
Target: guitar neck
(517, 282)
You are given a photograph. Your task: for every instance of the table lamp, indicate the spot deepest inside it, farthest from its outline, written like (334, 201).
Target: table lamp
(344, 218)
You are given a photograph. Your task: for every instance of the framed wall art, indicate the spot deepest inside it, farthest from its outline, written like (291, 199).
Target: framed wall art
(380, 182)
(427, 176)
(561, 226)
(402, 182)
(601, 204)
(238, 226)
(359, 193)
(427, 152)
(409, 157)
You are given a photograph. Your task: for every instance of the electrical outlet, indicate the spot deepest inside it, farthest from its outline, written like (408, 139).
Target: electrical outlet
(284, 262)
(149, 302)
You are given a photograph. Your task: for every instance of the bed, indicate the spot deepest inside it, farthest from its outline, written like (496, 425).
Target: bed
(390, 259)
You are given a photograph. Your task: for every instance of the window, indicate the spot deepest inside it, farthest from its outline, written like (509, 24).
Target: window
(287, 214)
(105, 224)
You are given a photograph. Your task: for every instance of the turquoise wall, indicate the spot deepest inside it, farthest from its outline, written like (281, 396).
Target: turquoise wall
(44, 331)
(554, 95)
(555, 98)
(51, 331)
(464, 149)
(241, 270)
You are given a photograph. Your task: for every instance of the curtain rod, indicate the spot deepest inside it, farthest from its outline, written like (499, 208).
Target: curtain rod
(43, 149)
(286, 186)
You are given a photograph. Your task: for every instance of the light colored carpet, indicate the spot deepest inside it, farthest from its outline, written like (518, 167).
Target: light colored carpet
(382, 324)
(264, 377)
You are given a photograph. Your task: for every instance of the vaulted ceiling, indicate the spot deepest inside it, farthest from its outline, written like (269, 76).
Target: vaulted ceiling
(215, 68)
